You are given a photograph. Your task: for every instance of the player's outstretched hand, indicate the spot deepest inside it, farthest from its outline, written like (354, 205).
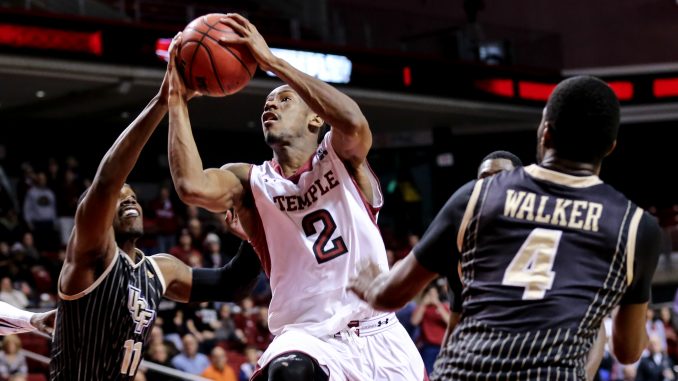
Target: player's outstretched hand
(248, 35)
(173, 80)
(44, 322)
(361, 283)
(234, 226)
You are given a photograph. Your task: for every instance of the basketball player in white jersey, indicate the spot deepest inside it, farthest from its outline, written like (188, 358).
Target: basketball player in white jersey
(310, 214)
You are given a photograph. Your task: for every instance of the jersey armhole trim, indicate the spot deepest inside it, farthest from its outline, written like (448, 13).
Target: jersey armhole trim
(468, 213)
(93, 285)
(631, 244)
(158, 273)
(259, 242)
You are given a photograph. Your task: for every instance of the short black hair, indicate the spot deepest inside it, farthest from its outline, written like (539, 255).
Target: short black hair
(583, 113)
(504, 155)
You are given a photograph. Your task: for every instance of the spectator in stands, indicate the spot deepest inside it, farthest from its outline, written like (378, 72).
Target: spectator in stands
(671, 335)
(214, 257)
(655, 366)
(199, 319)
(185, 250)
(158, 338)
(166, 219)
(40, 212)
(256, 329)
(26, 182)
(9, 295)
(248, 367)
(655, 327)
(157, 353)
(52, 174)
(12, 362)
(432, 316)
(30, 252)
(10, 226)
(196, 232)
(219, 370)
(68, 192)
(189, 360)
(225, 329)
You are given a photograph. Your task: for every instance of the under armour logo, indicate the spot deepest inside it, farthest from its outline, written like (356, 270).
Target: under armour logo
(321, 153)
(137, 305)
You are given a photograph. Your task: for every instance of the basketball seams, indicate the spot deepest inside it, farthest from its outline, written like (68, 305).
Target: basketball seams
(206, 34)
(213, 26)
(199, 33)
(214, 68)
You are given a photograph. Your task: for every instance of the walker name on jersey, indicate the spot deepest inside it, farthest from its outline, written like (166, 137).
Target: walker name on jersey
(574, 214)
(318, 188)
(138, 307)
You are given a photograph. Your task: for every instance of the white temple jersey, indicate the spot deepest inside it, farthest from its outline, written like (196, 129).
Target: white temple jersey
(318, 230)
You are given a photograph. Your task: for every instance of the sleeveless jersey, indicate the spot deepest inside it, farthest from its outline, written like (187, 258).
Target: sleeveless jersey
(101, 333)
(545, 257)
(318, 228)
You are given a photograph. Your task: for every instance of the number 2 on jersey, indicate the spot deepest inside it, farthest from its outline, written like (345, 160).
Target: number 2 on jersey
(531, 266)
(132, 357)
(329, 226)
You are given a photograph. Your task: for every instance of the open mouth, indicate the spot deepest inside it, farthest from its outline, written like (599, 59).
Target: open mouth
(269, 117)
(129, 212)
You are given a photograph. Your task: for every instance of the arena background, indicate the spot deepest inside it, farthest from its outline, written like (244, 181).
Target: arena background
(442, 84)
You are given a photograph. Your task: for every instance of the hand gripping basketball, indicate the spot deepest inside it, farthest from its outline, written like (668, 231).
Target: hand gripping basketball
(248, 35)
(210, 65)
(177, 87)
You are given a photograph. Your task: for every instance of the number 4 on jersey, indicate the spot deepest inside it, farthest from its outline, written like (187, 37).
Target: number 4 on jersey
(531, 266)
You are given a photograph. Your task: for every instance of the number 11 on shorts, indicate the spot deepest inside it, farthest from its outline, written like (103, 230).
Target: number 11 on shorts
(130, 362)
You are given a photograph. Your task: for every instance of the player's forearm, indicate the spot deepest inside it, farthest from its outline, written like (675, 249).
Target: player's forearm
(629, 335)
(335, 107)
(384, 295)
(184, 159)
(14, 320)
(418, 314)
(123, 155)
(232, 282)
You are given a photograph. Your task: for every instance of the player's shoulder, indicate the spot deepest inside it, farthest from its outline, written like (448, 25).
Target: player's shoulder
(166, 262)
(649, 224)
(240, 170)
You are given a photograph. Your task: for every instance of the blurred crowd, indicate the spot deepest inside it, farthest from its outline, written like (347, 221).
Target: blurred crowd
(220, 341)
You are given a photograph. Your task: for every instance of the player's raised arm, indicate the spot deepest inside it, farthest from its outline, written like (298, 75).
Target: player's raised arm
(213, 189)
(629, 335)
(351, 135)
(93, 235)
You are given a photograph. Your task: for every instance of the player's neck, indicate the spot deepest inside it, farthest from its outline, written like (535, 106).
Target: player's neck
(130, 248)
(575, 168)
(292, 158)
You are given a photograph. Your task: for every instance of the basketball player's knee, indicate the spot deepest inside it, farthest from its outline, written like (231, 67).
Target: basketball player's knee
(294, 366)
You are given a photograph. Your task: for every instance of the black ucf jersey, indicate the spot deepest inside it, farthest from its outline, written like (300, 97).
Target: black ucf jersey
(101, 333)
(545, 257)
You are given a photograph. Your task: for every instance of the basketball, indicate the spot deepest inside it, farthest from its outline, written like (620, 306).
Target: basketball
(209, 67)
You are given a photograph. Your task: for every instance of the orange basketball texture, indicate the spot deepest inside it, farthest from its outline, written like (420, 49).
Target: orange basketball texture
(209, 67)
